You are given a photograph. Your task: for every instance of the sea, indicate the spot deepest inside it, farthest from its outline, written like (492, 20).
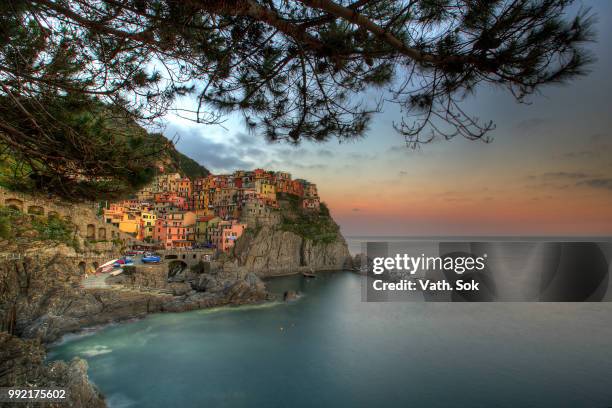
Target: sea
(329, 349)
(356, 243)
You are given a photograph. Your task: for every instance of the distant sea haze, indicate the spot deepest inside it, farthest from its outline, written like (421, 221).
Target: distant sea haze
(355, 242)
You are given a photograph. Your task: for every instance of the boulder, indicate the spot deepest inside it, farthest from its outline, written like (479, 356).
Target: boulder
(22, 363)
(290, 295)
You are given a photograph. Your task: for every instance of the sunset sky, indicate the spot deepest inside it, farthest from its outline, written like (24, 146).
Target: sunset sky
(548, 170)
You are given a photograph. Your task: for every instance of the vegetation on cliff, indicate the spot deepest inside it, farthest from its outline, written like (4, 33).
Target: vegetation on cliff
(179, 162)
(76, 148)
(117, 157)
(316, 226)
(16, 226)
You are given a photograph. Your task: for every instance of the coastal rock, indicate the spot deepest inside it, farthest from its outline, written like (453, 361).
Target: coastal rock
(290, 295)
(179, 288)
(237, 285)
(22, 364)
(273, 252)
(360, 263)
(41, 297)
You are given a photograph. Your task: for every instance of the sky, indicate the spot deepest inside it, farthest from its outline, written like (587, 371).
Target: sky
(548, 170)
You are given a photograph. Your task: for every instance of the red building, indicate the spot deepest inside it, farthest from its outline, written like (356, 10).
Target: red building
(175, 230)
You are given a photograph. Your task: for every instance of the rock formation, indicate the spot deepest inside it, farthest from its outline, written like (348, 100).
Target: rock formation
(41, 300)
(22, 365)
(273, 252)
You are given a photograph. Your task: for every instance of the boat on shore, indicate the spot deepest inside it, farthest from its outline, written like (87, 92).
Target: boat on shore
(121, 262)
(151, 259)
(106, 267)
(310, 274)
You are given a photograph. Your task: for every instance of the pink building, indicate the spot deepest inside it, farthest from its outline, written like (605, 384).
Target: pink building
(225, 234)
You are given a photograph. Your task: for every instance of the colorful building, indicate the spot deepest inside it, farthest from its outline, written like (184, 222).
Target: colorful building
(179, 212)
(224, 234)
(175, 229)
(148, 219)
(131, 223)
(201, 228)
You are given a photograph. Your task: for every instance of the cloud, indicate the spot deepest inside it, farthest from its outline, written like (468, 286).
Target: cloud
(362, 156)
(597, 145)
(557, 180)
(216, 156)
(356, 209)
(599, 183)
(598, 137)
(313, 166)
(564, 175)
(530, 125)
(246, 140)
(254, 151)
(241, 151)
(583, 154)
(325, 153)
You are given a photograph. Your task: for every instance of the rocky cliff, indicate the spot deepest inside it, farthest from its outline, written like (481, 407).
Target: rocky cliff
(22, 365)
(41, 299)
(272, 251)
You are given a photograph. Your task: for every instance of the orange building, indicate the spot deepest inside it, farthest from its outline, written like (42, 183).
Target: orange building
(175, 229)
(296, 188)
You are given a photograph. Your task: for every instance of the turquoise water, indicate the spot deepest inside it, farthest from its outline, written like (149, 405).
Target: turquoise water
(328, 349)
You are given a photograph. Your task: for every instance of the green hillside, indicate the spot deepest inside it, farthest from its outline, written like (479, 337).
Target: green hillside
(187, 166)
(179, 162)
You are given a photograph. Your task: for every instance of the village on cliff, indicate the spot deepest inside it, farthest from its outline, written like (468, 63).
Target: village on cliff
(212, 211)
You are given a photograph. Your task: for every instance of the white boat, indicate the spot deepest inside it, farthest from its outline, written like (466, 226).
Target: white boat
(107, 267)
(116, 272)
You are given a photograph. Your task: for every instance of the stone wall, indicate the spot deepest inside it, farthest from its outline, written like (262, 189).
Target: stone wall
(88, 225)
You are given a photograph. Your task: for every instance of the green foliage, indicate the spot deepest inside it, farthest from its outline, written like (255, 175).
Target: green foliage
(294, 70)
(317, 227)
(181, 163)
(5, 228)
(53, 229)
(291, 200)
(324, 210)
(189, 167)
(74, 147)
(251, 231)
(15, 225)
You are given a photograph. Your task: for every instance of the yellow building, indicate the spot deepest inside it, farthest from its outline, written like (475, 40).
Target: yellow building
(265, 189)
(114, 214)
(201, 200)
(130, 223)
(148, 223)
